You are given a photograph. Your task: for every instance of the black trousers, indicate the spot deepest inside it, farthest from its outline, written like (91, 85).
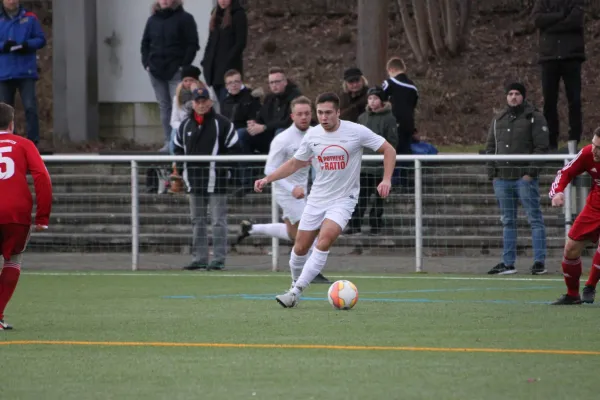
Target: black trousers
(406, 178)
(368, 186)
(570, 72)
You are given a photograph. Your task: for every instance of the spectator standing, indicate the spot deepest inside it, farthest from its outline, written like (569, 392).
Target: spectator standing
(561, 54)
(206, 133)
(170, 42)
(21, 35)
(403, 94)
(378, 117)
(353, 100)
(226, 43)
(518, 129)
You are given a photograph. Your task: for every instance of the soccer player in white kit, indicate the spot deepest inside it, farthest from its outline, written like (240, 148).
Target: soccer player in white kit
(337, 148)
(290, 193)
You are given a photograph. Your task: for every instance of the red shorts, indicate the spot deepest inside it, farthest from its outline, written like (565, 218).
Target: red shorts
(13, 239)
(586, 226)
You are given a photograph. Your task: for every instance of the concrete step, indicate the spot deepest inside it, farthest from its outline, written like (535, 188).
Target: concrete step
(428, 188)
(461, 203)
(181, 242)
(184, 227)
(71, 203)
(391, 220)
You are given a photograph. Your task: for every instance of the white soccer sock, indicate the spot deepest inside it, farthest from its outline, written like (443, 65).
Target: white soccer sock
(314, 265)
(297, 264)
(274, 230)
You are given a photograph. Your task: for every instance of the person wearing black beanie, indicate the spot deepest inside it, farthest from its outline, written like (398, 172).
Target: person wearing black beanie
(518, 129)
(190, 71)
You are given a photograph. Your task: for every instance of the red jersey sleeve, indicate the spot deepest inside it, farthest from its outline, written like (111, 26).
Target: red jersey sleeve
(41, 182)
(576, 167)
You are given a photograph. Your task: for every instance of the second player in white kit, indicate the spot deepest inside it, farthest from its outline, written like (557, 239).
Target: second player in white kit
(290, 193)
(336, 148)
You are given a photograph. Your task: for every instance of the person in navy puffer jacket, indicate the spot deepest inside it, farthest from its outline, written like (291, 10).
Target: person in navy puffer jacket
(21, 36)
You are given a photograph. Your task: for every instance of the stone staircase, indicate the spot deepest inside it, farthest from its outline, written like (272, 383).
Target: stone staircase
(92, 213)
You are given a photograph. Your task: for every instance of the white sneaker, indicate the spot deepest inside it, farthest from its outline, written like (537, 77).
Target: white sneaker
(293, 284)
(287, 300)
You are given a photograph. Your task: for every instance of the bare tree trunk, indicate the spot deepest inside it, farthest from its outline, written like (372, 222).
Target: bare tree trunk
(442, 8)
(451, 33)
(433, 13)
(373, 38)
(465, 22)
(411, 35)
(420, 13)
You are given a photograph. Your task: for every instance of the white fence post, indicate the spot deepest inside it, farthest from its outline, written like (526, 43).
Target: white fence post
(567, 207)
(274, 241)
(418, 216)
(135, 217)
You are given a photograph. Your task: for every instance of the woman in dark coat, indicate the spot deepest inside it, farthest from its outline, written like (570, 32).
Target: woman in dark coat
(226, 43)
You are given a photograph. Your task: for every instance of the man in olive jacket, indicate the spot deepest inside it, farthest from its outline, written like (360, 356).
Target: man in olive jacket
(518, 129)
(379, 118)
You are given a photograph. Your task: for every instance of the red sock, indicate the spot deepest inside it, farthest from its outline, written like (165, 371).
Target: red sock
(572, 273)
(8, 282)
(595, 270)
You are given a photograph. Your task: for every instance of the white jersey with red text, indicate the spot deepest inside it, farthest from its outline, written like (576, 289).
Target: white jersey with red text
(337, 157)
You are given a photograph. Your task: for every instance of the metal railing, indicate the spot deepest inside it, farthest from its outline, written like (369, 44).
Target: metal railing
(418, 161)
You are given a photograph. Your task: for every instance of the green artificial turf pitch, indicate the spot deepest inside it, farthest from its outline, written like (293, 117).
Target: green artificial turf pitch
(222, 336)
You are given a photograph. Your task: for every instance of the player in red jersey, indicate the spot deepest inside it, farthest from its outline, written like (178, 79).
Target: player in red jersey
(18, 156)
(586, 227)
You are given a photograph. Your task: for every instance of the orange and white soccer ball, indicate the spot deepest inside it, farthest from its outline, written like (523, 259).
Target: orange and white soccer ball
(342, 295)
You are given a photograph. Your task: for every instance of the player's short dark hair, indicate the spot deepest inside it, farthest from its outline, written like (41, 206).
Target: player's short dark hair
(7, 115)
(597, 131)
(329, 97)
(300, 100)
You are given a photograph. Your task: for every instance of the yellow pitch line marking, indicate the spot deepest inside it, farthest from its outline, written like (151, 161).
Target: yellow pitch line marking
(300, 346)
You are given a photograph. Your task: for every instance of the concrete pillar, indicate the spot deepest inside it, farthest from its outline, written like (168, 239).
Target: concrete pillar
(75, 63)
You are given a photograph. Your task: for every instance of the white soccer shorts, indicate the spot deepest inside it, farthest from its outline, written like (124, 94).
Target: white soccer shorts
(292, 207)
(339, 211)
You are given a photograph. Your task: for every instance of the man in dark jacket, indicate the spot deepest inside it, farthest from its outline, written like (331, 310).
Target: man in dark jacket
(404, 96)
(21, 36)
(518, 129)
(228, 33)
(275, 114)
(240, 106)
(353, 100)
(206, 133)
(562, 51)
(170, 42)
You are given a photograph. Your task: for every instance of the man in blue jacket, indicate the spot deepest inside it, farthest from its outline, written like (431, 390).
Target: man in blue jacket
(21, 36)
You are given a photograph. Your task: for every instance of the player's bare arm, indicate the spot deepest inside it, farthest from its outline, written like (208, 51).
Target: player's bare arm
(389, 163)
(285, 170)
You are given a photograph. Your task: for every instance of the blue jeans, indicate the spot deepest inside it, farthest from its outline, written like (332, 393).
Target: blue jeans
(26, 88)
(172, 142)
(509, 193)
(165, 91)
